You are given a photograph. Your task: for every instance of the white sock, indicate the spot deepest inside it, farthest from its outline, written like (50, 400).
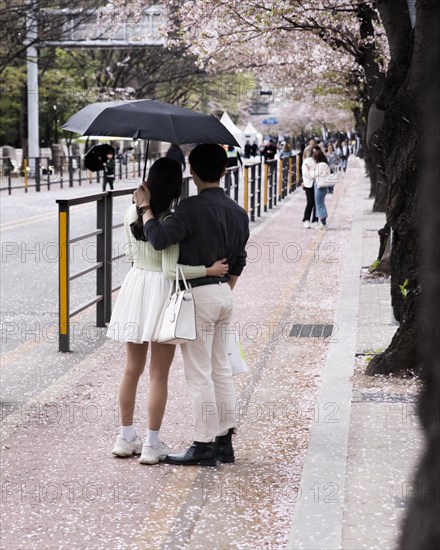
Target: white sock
(153, 438)
(128, 433)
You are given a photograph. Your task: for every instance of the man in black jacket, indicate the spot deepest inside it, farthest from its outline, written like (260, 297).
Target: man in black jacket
(207, 226)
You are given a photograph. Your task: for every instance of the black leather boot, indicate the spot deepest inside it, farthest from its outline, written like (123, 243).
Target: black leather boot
(224, 451)
(198, 454)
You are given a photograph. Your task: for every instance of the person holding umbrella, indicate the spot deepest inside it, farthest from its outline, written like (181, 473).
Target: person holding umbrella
(206, 226)
(138, 307)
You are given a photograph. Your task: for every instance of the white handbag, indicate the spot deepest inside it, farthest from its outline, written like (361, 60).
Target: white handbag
(178, 321)
(330, 181)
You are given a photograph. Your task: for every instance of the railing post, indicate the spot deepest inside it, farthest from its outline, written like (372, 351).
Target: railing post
(274, 166)
(48, 174)
(108, 255)
(280, 180)
(298, 169)
(258, 176)
(266, 185)
(61, 172)
(101, 258)
(70, 168)
(63, 278)
(246, 189)
(290, 175)
(227, 182)
(236, 180)
(9, 183)
(37, 174)
(26, 175)
(78, 163)
(185, 188)
(252, 206)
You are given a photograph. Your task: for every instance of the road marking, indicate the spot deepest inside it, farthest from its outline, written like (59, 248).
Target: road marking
(39, 218)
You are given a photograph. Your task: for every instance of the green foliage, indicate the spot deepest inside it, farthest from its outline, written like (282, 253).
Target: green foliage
(403, 288)
(374, 266)
(12, 101)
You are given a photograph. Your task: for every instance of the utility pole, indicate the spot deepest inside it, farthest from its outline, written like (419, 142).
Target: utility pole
(32, 87)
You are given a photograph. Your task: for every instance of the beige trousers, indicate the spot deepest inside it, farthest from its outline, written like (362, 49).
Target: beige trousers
(207, 369)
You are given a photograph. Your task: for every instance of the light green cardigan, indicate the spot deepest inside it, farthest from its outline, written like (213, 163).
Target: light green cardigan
(143, 255)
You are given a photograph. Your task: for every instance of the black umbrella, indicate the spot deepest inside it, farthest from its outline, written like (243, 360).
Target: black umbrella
(149, 119)
(96, 156)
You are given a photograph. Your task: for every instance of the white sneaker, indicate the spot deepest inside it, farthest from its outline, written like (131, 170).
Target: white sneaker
(153, 455)
(322, 226)
(306, 224)
(125, 448)
(314, 224)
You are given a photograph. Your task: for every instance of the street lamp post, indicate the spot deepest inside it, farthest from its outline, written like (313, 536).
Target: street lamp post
(32, 88)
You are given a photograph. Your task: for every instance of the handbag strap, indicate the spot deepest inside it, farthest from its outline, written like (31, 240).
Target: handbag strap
(180, 275)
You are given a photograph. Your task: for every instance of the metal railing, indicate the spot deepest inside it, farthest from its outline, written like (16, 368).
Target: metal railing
(102, 266)
(42, 172)
(231, 182)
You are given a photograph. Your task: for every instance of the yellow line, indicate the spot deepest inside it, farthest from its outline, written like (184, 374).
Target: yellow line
(63, 272)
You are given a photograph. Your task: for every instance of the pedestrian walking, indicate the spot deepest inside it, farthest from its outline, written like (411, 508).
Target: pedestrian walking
(345, 153)
(247, 150)
(175, 152)
(136, 314)
(308, 150)
(285, 152)
(333, 162)
(207, 225)
(255, 150)
(307, 169)
(109, 171)
(234, 157)
(320, 172)
(269, 151)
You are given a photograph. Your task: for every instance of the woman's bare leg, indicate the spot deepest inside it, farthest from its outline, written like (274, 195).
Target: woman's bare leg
(136, 359)
(161, 358)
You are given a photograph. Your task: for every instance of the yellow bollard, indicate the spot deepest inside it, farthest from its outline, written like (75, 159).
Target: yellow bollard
(298, 170)
(280, 180)
(266, 186)
(246, 189)
(63, 273)
(26, 183)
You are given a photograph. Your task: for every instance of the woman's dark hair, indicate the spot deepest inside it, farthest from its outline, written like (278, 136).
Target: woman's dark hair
(318, 155)
(165, 184)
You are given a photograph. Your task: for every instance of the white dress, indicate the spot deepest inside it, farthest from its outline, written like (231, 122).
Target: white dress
(146, 287)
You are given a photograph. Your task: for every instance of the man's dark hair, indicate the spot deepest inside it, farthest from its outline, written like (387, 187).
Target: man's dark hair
(208, 161)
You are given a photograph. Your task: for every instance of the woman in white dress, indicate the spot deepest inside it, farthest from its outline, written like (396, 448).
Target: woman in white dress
(137, 311)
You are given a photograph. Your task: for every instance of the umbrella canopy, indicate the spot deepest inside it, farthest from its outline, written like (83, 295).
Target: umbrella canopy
(96, 156)
(149, 119)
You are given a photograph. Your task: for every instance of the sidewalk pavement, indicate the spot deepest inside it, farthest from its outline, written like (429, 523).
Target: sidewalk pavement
(324, 453)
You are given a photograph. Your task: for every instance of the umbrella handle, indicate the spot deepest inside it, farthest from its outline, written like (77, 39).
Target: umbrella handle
(146, 158)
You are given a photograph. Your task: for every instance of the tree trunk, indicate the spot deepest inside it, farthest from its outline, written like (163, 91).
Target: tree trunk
(421, 527)
(400, 150)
